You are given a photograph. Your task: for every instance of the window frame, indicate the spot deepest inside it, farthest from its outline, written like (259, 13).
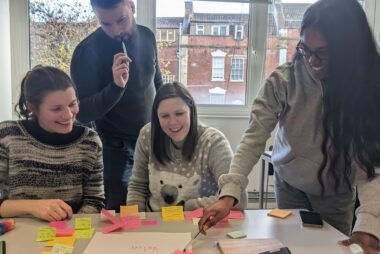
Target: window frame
(219, 28)
(198, 29)
(241, 30)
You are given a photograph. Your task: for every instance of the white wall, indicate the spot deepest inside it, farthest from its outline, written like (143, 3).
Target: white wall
(5, 63)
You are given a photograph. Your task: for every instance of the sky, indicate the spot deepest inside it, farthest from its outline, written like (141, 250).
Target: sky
(175, 8)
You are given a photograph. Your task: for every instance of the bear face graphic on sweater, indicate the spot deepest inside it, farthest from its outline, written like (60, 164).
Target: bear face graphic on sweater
(168, 188)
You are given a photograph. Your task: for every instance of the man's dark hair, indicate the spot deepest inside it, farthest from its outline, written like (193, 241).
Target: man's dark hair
(107, 4)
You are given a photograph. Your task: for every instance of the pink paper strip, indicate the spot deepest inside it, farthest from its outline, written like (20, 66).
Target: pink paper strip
(109, 229)
(236, 214)
(194, 214)
(130, 222)
(112, 218)
(58, 224)
(149, 222)
(64, 231)
(177, 251)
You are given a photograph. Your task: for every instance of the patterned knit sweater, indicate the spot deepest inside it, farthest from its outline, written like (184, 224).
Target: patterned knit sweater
(195, 182)
(30, 169)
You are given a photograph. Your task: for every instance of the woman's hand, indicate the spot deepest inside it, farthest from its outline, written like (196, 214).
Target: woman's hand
(120, 69)
(215, 212)
(367, 242)
(51, 209)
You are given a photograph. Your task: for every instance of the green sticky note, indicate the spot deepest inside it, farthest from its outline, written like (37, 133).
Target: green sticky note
(45, 234)
(83, 223)
(236, 235)
(84, 233)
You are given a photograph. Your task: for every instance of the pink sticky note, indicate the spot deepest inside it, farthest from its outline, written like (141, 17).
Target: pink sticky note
(149, 222)
(236, 214)
(58, 224)
(64, 232)
(194, 214)
(177, 251)
(130, 222)
(112, 218)
(109, 229)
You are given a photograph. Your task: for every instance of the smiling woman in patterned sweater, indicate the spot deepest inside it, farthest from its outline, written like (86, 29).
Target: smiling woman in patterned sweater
(177, 160)
(49, 167)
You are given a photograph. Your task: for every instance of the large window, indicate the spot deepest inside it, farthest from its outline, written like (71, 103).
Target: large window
(211, 34)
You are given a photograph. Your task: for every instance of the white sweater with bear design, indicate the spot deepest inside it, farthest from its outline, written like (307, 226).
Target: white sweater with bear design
(195, 182)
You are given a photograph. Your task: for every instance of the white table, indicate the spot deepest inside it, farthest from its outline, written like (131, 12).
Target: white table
(256, 225)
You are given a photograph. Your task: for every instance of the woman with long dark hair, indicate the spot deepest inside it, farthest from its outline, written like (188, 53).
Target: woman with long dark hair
(327, 107)
(177, 161)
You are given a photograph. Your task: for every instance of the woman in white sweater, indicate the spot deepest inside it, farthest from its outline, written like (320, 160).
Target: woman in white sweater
(177, 160)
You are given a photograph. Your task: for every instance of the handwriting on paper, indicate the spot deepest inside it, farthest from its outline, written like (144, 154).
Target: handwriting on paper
(144, 248)
(45, 234)
(83, 223)
(84, 233)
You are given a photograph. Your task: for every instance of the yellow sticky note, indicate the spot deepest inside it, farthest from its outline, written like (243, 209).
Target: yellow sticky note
(127, 210)
(67, 240)
(46, 252)
(172, 213)
(45, 234)
(59, 248)
(83, 223)
(278, 213)
(84, 233)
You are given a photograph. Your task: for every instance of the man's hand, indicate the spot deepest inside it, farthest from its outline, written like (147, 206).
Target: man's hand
(215, 212)
(367, 242)
(120, 69)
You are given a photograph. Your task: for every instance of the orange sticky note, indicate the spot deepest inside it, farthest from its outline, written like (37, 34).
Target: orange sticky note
(172, 213)
(63, 240)
(278, 213)
(126, 210)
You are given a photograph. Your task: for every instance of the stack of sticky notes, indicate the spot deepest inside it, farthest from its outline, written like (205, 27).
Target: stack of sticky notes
(279, 213)
(61, 237)
(236, 235)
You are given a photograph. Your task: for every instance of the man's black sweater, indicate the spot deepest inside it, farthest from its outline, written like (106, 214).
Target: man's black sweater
(118, 112)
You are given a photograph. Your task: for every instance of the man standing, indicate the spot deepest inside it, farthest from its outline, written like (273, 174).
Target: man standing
(116, 89)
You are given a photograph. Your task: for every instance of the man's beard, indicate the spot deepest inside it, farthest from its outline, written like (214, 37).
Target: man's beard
(126, 36)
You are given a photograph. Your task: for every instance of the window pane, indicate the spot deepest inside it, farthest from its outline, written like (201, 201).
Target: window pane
(237, 69)
(284, 22)
(56, 27)
(200, 57)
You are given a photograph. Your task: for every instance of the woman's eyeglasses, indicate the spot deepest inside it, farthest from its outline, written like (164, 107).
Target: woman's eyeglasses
(320, 54)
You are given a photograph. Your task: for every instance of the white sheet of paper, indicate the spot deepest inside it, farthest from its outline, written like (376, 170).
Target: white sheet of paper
(137, 242)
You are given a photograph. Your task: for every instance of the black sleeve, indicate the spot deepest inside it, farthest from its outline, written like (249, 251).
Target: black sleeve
(95, 101)
(157, 77)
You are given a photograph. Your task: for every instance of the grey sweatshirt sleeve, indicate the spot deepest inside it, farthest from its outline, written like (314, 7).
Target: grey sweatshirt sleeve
(219, 158)
(368, 213)
(138, 187)
(96, 99)
(265, 112)
(93, 189)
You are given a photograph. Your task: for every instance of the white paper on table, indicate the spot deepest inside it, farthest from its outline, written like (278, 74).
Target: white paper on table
(137, 243)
